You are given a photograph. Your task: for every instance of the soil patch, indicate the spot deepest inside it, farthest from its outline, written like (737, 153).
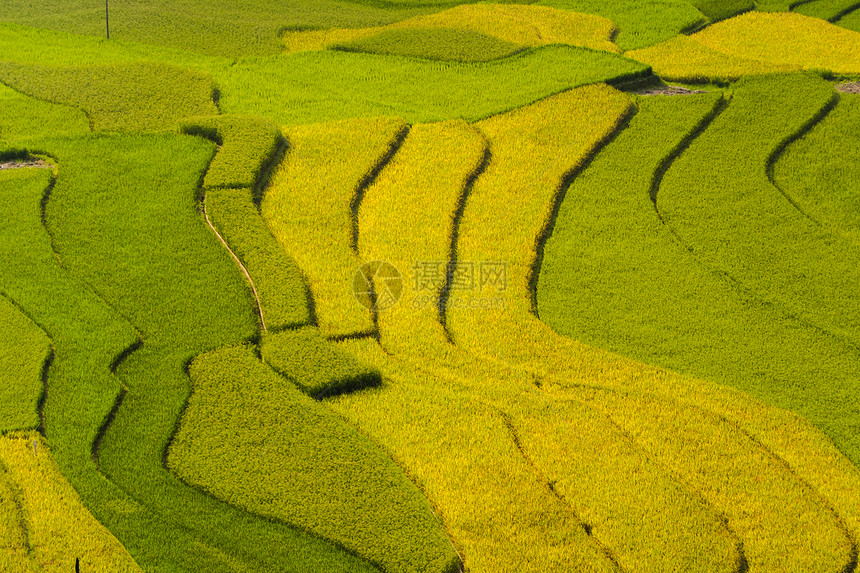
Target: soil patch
(668, 91)
(18, 164)
(849, 88)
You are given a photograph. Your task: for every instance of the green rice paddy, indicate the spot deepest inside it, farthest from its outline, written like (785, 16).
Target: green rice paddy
(431, 287)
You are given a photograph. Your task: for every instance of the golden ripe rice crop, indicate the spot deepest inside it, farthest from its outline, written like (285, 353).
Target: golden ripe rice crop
(518, 24)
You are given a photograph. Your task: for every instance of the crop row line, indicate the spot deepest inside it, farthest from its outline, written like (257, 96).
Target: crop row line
(558, 198)
(238, 264)
(445, 291)
(784, 145)
(515, 438)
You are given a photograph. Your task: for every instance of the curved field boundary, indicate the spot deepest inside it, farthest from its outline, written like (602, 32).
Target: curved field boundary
(781, 148)
(25, 354)
(524, 25)
(239, 264)
(819, 169)
(81, 387)
(551, 359)
(427, 176)
(459, 450)
(755, 43)
(760, 225)
(639, 23)
(277, 282)
(783, 522)
(851, 20)
(488, 234)
(717, 10)
(429, 173)
(685, 59)
(311, 204)
(439, 44)
(245, 425)
(122, 97)
(166, 254)
(316, 365)
(221, 28)
(54, 527)
(795, 529)
(249, 149)
(830, 10)
(320, 86)
(24, 117)
(422, 187)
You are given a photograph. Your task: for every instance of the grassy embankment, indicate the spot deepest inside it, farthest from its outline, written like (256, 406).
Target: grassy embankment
(248, 148)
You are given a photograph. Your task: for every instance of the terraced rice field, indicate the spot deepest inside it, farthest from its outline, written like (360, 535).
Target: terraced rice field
(421, 287)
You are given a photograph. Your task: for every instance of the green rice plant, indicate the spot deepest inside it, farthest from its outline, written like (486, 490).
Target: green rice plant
(717, 10)
(277, 281)
(87, 336)
(22, 117)
(223, 27)
(23, 354)
(246, 147)
(650, 300)
(608, 241)
(131, 97)
(737, 222)
(850, 21)
(314, 364)
(59, 48)
(433, 44)
(524, 25)
(309, 209)
(45, 524)
(152, 242)
(640, 24)
(319, 86)
(786, 39)
(685, 59)
(250, 437)
(556, 361)
(820, 170)
(830, 10)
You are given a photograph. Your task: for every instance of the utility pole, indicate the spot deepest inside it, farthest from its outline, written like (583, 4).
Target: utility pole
(107, 20)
